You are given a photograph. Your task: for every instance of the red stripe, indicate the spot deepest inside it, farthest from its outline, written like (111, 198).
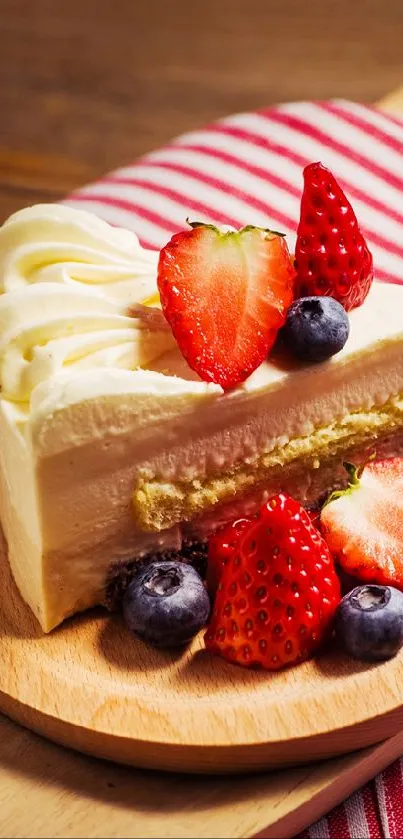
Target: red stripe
(156, 219)
(172, 227)
(393, 790)
(265, 142)
(257, 140)
(259, 171)
(223, 186)
(390, 120)
(149, 246)
(363, 125)
(309, 130)
(375, 203)
(391, 117)
(146, 244)
(217, 183)
(375, 238)
(387, 277)
(338, 823)
(381, 242)
(174, 195)
(369, 800)
(77, 196)
(130, 207)
(197, 206)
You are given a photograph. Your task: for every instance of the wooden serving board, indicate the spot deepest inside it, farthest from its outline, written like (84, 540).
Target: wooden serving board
(47, 791)
(90, 687)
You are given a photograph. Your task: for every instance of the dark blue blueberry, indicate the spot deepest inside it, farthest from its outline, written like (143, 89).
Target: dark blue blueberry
(166, 603)
(369, 622)
(316, 328)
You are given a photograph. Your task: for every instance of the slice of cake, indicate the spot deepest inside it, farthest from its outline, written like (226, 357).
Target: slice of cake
(113, 448)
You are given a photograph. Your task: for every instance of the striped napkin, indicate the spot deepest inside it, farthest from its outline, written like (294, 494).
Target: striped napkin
(247, 169)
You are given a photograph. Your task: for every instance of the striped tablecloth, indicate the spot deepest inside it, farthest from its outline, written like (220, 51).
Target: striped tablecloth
(247, 169)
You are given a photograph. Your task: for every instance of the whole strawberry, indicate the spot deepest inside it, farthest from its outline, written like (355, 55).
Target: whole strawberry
(331, 255)
(225, 295)
(277, 596)
(363, 525)
(221, 550)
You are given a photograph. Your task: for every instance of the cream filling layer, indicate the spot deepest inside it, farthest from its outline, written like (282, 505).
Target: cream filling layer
(158, 504)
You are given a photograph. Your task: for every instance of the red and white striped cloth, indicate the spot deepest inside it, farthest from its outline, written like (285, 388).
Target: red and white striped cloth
(247, 169)
(374, 812)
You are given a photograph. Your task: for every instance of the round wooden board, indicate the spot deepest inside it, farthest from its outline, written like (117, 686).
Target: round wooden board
(90, 686)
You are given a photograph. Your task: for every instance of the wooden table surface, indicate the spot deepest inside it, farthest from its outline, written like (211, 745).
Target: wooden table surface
(86, 85)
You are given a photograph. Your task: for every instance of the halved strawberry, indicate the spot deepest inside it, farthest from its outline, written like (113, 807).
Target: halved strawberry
(363, 525)
(331, 255)
(225, 295)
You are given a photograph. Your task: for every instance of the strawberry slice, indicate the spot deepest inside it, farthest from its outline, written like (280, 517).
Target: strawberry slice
(225, 295)
(278, 589)
(331, 255)
(363, 525)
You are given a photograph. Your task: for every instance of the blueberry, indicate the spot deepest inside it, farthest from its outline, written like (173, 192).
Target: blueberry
(369, 622)
(316, 328)
(166, 603)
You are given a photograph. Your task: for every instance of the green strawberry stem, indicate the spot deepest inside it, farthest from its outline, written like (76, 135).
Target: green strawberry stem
(245, 229)
(354, 474)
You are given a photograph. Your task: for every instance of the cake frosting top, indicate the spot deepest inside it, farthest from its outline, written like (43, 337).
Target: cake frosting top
(66, 336)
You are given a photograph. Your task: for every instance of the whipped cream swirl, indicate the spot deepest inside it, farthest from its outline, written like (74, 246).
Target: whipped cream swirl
(67, 280)
(52, 243)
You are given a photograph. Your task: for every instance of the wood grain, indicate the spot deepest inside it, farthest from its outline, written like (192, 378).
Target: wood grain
(46, 792)
(91, 84)
(90, 686)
